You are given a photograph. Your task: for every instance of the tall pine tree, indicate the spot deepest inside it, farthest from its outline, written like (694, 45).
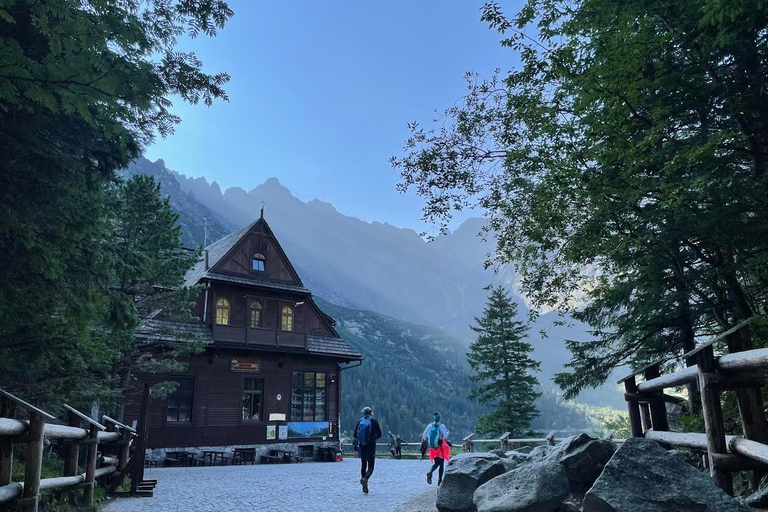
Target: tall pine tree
(500, 358)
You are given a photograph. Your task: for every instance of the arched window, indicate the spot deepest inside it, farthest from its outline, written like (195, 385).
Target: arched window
(259, 262)
(222, 311)
(287, 323)
(255, 313)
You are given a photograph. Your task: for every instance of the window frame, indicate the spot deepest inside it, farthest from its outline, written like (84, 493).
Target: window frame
(262, 259)
(251, 309)
(227, 308)
(303, 393)
(261, 393)
(179, 393)
(292, 317)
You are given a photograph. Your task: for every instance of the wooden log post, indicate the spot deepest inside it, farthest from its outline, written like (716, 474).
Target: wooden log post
(656, 405)
(6, 446)
(713, 418)
(90, 465)
(505, 441)
(125, 449)
(551, 438)
(633, 406)
(71, 448)
(469, 444)
(30, 497)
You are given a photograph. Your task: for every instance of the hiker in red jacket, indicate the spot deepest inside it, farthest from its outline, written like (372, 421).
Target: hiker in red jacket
(436, 436)
(367, 431)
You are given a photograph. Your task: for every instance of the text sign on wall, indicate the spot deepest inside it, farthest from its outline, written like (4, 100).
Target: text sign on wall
(244, 364)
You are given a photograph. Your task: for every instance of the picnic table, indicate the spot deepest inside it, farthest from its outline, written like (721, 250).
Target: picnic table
(210, 457)
(244, 455)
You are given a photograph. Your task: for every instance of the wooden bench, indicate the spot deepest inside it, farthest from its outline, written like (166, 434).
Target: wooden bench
(269, 459)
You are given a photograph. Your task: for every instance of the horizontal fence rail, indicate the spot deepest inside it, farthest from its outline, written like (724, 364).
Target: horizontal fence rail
(709, 376)
(81, 430)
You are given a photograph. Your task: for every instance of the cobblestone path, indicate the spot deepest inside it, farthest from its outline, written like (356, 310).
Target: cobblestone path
(305, 487)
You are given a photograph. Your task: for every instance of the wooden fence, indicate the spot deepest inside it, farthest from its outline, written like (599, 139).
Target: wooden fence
(710, 375)
(80, 431)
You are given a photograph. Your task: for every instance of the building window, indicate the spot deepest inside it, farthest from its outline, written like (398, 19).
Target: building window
(222, 312)
(259, 262)
(179, 407)
(287, 323)
(253, 391)
(255, 313)
(308, 396)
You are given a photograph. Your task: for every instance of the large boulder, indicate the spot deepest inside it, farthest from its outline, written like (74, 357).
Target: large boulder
(525, 449)
(535, 487)
(643, 477)
(540, 452)
(498, 452)
(464, 474)
(517, 456)
(583, 459)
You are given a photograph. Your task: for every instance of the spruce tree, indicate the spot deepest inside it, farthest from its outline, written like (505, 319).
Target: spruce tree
(500, 358)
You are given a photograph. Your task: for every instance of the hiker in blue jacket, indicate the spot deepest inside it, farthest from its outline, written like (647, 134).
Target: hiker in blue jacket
(367, 431)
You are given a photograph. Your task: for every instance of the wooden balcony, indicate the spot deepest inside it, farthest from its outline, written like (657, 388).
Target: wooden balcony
(258, 337)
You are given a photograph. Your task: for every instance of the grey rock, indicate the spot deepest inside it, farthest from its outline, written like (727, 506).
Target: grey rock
(567, 507)
(643, 477)
(518, 457)
(758, 499)
(509, 464)
(583, 459)
(536, 487)
(464, 474)
(540, 452)
(499, 452)
(525, 449)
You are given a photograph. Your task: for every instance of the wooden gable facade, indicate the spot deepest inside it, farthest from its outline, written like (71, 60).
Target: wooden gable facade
(271, 371)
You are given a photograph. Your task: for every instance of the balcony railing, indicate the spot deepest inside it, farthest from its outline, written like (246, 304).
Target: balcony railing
(258, 337)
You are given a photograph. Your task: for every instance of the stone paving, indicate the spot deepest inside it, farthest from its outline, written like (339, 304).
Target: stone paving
(331, 486)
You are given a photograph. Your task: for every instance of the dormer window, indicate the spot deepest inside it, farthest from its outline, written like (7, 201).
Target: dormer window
(222, 311)
(259, 262)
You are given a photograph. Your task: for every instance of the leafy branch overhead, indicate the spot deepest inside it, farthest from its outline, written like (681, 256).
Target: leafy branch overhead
(112, 64)
(622, 167)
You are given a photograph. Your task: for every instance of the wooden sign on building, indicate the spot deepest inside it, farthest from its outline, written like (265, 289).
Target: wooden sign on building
(244, 364)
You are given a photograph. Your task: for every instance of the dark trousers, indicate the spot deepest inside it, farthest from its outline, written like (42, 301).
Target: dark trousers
(398, 452)
(367, 460)
(439, 464)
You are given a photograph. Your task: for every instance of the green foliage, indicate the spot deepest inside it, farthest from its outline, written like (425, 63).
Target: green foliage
(80, 93)
(622, 166)
(502, 368)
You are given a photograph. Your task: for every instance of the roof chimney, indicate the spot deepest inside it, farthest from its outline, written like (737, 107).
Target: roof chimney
(206, 259)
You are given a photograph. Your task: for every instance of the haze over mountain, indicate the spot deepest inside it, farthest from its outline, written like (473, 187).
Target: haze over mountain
(368, 266)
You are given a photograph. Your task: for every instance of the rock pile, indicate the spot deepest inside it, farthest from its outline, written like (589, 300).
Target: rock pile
(581, 474)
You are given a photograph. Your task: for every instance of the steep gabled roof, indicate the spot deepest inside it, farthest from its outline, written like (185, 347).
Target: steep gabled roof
(219, 251)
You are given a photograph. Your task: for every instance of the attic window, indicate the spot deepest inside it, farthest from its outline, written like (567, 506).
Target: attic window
(258, 262)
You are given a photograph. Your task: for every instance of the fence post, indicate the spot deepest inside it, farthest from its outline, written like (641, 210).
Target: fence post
(6, 447)
(551, 438)
(505, 441)
(72, 448)
(469, 444)
(645, 416)
(636, 427)
(657, 406)
(90, 465)
(125, 449)
(713, 417)
(33, 466)
(141, 445)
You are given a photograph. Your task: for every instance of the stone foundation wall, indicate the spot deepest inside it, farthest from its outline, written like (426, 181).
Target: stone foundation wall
(159, 454)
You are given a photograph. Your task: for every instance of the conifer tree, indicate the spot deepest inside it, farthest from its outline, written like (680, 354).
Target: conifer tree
(500, 358)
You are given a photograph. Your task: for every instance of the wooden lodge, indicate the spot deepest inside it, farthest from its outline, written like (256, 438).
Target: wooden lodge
(271, 370)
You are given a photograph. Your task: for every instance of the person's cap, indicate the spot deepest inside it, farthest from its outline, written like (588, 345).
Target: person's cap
(367, 410)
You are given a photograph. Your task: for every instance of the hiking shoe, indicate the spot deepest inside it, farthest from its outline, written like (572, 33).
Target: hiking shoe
(439, 481)
(364, 483)
(429, 478)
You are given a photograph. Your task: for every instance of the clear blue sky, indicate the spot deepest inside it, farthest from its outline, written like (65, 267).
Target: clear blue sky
(321, 93)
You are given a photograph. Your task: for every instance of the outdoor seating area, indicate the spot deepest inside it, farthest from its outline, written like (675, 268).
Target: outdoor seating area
(205, 458)
(280, 456)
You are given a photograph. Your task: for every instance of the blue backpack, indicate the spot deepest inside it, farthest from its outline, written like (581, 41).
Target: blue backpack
(364, 431)
(434, 437)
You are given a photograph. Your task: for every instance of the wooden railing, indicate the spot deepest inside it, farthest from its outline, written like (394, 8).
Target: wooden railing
(80, 431)
(711, 375)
